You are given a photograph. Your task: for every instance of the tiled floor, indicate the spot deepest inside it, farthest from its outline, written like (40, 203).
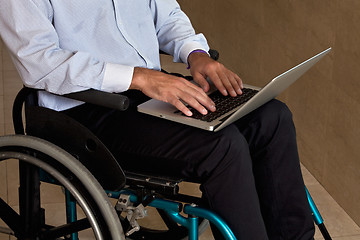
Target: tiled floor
(339, 224)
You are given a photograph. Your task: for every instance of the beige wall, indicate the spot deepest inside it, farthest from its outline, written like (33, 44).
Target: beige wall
(260, 39)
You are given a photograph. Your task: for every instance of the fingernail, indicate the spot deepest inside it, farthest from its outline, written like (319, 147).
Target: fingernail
(204, 111)
(188, 113)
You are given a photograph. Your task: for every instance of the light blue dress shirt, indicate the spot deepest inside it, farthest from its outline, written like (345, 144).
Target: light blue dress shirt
(66, 46)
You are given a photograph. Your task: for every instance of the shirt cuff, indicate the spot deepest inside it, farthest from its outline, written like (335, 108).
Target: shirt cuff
(117, 78)
(188, 48)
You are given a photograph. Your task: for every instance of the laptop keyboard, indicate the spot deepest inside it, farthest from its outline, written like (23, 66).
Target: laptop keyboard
(223, 104)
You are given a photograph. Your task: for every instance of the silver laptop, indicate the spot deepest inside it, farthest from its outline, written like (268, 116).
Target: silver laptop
(252, 98)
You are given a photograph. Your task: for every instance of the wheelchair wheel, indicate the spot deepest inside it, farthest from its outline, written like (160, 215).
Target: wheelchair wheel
(168, 229)
(72, 175)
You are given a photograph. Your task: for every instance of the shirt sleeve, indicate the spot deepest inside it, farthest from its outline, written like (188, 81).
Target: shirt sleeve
(175, 32)
(117, 78)
(27, 31)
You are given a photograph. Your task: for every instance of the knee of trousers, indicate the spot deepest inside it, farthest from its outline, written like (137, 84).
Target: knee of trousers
(274, 116)
(230, 151)
(276, 110)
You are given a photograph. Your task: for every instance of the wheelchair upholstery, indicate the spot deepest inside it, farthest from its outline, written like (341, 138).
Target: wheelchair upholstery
(71, 136)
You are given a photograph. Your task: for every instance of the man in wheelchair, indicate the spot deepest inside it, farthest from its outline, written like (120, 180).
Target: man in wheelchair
(249, 172)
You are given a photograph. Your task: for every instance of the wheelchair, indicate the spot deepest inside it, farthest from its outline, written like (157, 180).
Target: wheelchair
(55, 149)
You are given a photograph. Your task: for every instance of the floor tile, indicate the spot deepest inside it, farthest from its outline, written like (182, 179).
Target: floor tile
(355, 237)
(309, 179)
(3, 227)
(4, 237)
(5, 233)
(2, 115)
(3, 181)
(13, 182)
(207, 235)
(51, 193)
(55, 215)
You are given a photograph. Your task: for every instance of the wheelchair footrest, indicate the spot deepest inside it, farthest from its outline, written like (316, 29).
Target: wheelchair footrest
(160, 184)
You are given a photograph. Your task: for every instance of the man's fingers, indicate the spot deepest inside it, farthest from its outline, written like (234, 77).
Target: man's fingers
(225, 80)
(228, 83)
(239, 80)
(200, 79)
(235, 82)
(198, 99)
(180, 106)
(192, 102)
(219, 84)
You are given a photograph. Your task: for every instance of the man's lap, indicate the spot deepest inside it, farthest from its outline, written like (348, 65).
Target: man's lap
(141, 141)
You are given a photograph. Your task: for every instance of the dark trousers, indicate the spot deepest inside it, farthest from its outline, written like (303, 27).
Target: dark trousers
(249, 172)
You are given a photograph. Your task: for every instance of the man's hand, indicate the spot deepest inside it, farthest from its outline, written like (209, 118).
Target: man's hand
(202, 66)
(171, 89)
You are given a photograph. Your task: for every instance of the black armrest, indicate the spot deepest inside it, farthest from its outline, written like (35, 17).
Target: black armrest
(214, 54)
(105, 99)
